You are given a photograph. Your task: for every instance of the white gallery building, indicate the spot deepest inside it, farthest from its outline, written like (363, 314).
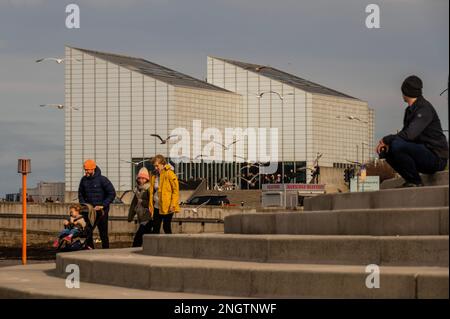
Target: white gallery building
(114, 102)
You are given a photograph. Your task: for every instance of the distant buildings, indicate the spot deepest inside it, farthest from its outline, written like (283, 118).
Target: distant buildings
(44, 191)
(310, 117)
(122, 100)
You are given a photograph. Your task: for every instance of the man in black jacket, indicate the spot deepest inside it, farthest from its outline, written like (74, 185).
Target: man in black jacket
(97, 190)
(421, 146)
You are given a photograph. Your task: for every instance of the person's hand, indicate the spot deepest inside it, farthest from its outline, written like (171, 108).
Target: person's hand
(98, 207)
(172, 209)
(380, 145)
(66, 222)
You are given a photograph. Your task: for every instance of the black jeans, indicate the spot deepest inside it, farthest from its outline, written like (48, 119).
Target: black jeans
(142, 230)
(166, 220)
(102, 223)
(409, 159)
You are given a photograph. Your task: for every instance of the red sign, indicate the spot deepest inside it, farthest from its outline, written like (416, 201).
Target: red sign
(302, 187)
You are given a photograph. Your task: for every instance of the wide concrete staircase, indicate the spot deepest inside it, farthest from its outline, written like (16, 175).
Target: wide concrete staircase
(321, 252)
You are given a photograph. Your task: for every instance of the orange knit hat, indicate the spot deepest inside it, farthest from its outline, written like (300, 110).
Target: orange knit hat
(90, 164)
(143, 173)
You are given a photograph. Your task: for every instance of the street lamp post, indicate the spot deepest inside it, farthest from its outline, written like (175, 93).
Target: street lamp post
(281, 97)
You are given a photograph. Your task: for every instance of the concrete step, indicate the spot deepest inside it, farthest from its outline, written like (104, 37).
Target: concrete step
(346, 250)
(39, 281)
(436, 179)
(130, 268)
(375, 222)
(431, 196)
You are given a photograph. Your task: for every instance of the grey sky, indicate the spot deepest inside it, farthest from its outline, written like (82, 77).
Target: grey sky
(325, 41)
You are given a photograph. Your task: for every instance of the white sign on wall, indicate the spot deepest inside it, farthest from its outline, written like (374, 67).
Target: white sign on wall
(370, 184)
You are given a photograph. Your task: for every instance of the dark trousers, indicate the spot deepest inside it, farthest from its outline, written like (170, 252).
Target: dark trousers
(166, 220)
(409, 159)
(142, 230)
(102, 223)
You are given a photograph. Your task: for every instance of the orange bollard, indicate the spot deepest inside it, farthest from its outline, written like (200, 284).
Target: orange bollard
(24, 219)
(24, 167)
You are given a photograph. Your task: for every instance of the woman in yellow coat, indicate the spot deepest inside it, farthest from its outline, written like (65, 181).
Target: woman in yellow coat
(164, 195)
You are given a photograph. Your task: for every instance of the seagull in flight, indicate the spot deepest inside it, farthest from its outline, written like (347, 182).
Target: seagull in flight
(57, 60)
(259, 68)
(164, 141)
(136, 163)
(59, 106)
(352, 117)
(195, 210)
(226, 147)
(260, 95)
(305, 168)
(251, 180)
(318, 156)
(124, 193)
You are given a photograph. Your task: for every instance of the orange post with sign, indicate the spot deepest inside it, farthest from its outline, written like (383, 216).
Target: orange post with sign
(24, 168)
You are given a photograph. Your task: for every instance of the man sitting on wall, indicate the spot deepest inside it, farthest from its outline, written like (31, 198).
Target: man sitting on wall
(421, 146)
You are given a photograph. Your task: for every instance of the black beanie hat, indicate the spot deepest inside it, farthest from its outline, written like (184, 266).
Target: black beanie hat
(412, 86)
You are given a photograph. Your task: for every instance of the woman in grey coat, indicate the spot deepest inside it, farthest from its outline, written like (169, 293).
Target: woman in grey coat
(140, 207)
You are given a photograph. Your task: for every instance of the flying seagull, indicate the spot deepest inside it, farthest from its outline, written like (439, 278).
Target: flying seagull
(318, 156)
(260, 95)
(251, 180)
(59, 106)
(124, 193)
(57, 60)
(136, 163)
(259, 68)
(195, 210)
(226, 147)
(164, 141)
(304, 168)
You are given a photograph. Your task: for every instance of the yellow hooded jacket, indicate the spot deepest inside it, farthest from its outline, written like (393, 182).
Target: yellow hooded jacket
(168, 192)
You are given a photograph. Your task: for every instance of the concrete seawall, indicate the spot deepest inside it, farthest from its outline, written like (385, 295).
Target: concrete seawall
(45, 220)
